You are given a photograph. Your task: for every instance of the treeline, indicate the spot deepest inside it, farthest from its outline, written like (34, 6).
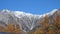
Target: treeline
(15, 29)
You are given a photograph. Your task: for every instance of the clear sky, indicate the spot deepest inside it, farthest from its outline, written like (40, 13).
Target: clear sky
(30, 6)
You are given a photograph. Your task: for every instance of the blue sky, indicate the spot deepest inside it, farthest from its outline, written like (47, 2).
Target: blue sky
(30, 6)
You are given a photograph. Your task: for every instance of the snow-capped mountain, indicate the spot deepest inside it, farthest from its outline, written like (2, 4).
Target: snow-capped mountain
(26, 21)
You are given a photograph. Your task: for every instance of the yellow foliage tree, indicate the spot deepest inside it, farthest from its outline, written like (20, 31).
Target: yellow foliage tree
(13, 29)
(17, 29)
(39, 31)
(45, 21)
(58, 31)
(45, 25)
(10, 28)
(52, 30)
(57, 22)
(57, 19)
(29, 32)
(2, 29)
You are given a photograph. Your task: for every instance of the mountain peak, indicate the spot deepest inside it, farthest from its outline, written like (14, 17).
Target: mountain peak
(5, 10)
(53, 11)
(50, 13)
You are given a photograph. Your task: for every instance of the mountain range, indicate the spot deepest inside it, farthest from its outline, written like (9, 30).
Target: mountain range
(26, 21)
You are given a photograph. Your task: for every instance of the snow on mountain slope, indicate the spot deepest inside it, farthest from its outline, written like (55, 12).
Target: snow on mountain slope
(27, 21)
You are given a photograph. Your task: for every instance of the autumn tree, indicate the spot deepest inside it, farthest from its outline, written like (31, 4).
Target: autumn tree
(10, 28)
(17, 29)
(39, 30)
(56, 18)
(51, 29)
(58, 31)
(13, 29)
(29, 32)
(44, 23)
(2, 29)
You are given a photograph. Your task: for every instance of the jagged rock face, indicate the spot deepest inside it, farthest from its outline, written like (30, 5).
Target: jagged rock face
(26, 21)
